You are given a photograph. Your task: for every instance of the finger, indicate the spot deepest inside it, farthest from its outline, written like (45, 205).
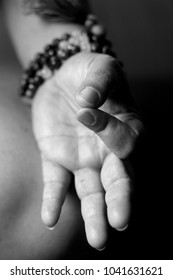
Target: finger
(92, 195)
(117, 135)
(56, 182)
(101, 79)
(117, 185)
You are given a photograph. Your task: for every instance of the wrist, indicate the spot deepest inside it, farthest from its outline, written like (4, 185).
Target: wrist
(90, 39)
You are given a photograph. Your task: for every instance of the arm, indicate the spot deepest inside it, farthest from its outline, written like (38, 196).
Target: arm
(92, 152)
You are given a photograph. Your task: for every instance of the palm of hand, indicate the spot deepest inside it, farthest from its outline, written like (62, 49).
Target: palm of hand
(61, 137)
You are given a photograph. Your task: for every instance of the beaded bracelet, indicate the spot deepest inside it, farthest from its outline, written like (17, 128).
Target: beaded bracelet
(92, 39)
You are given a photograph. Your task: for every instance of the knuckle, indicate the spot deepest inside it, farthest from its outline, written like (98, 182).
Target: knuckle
(103, 69)
(81, 183)
(118, 190)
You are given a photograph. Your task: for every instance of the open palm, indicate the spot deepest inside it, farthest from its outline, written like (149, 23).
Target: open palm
(91, 150)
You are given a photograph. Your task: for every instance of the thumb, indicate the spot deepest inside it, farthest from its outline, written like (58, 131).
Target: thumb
(101, 79)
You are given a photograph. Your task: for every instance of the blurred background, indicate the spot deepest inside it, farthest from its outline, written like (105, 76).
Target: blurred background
(142, 34)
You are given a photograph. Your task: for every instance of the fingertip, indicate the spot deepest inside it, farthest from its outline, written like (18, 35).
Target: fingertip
(97, 238)
(123, 229)
(89, 97)
(51, 228)
(50, 214)
(86, 117)
(94, 119)
(119, 218)
(102, 249)
(48, 221)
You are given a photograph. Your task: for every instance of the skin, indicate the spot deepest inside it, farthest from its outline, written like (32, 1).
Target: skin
(22, 233)
(78, 134)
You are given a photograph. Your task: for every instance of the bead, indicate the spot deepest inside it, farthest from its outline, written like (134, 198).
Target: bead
(23, 81)
(49, 51)
(108, 51)
(29, 93)
(38, 80)
(62, 54)
(30, 72)
(94, 38)
(63, 45)
(31, 86)
(90, 21)
(31, 80)
(56, 42)
(47, 48)
(23, 84)
(45, 73)
(54, 63)
(41, 59)
(92, 17)
(35, 66)
(25, 75)
(73, 49)
(95, 47)
(98, 30)
(88, 24)
(74, 41)
(105, 49)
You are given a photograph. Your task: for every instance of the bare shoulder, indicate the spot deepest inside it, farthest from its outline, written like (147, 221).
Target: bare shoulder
(22, 234)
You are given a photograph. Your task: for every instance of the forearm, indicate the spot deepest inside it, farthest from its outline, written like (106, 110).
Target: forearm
(31, 32)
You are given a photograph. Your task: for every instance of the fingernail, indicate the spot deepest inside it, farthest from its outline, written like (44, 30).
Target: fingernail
(102, 249)
(122, 229)
(51, 228)
(87, 118)
(90, 95)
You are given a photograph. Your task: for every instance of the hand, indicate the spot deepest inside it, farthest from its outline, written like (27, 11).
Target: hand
(75, 137)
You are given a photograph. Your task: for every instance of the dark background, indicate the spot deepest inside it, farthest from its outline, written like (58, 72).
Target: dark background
(142, 34)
